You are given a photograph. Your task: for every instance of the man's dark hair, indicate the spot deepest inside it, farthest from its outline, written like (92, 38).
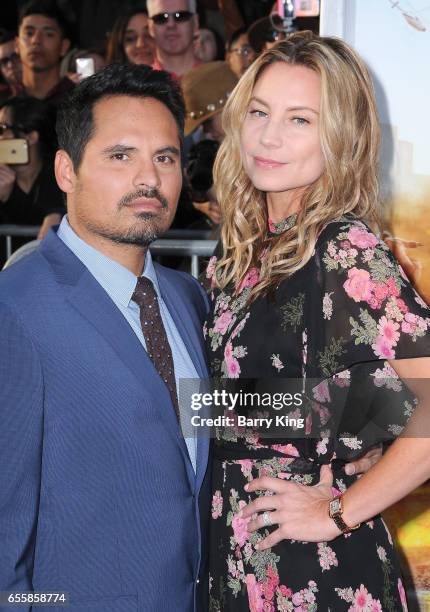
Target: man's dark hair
(75, 121)
(6, 36)
(47, 8)
(234, 37)
(30, 114)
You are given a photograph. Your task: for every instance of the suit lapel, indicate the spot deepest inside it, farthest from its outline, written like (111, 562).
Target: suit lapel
(88, 297)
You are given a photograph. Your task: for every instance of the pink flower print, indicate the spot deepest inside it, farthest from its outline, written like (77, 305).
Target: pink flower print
(287, 449)
(375, 606)
(321, 392)
(374, 304)
(345, 245)
(285, 592)
(268, 606)
(223, 321)
(217, 502)
(361, 238)
(401, 305)
(362, 599)
(392, 287)
(380, 291)
(407, 328)
(250, 280)
(402, 595)
(255, 598)
(297, 598)
(228, 351)
(388, 329)
(233, 368)
(270, 585)
(327, 556)
(276, 362)
(211, 267)
(382, 348)
(359, 285)
(245, 466)
(409, 323)
(272, 227)
(239, 526)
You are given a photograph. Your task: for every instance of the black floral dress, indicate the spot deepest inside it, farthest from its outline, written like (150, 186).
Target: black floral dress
(350, 307)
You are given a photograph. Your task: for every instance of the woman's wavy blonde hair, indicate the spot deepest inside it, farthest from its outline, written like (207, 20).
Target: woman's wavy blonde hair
(349, 134)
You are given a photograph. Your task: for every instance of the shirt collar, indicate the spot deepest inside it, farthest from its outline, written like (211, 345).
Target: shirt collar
(115, 279)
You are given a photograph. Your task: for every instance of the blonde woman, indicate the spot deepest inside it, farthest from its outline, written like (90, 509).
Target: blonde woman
(302, 287)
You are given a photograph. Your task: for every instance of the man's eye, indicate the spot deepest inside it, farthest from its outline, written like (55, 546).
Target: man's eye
(165, 159)
(119, 156)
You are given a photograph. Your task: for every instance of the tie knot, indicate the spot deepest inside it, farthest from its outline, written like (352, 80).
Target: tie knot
(144, 291)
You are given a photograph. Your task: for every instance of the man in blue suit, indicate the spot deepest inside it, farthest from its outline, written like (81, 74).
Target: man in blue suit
(99, 492)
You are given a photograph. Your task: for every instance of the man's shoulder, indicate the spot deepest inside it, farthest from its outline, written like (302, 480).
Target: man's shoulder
(25, 280)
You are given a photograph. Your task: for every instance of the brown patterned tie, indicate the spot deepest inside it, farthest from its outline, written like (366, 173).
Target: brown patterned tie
(157, 343)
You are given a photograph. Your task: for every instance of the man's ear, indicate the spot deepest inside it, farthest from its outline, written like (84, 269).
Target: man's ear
(64, 172)
(65, 46)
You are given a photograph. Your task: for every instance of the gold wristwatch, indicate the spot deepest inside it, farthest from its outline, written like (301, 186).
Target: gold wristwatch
(335, 512)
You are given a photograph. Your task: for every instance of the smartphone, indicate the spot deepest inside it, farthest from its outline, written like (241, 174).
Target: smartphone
(13, 151)
(85, 66)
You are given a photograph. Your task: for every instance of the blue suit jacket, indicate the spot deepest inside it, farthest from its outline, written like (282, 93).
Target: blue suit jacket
(98, 496)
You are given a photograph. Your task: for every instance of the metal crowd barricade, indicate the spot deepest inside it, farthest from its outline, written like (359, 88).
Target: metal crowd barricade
(183, 243)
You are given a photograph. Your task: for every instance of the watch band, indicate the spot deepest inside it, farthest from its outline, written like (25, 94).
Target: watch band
(335, 513)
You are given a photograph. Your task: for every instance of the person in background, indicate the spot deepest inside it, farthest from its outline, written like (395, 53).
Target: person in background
(174, 24)
(239, 54)
(130, 40)
(10, 66)
(43, 40)
(69, 65)
(208, 46)
(29, 194)
(206, 90)
(265, 33)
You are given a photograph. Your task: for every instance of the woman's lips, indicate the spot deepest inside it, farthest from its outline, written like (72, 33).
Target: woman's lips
(263, 162)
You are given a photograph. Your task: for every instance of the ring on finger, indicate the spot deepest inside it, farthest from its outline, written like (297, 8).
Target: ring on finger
(267, 521)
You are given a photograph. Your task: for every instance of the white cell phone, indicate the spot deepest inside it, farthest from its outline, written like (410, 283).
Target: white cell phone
(13, 151)
(85, 66)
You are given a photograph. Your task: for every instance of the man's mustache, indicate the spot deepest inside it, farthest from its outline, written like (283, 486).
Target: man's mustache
(151, 194)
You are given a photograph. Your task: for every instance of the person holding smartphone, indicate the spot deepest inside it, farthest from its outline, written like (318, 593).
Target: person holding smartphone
(29, 194)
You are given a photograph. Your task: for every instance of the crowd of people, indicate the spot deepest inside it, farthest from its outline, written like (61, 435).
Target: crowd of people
(39, 64)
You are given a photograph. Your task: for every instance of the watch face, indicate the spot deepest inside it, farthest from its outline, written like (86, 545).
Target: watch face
(335, 506)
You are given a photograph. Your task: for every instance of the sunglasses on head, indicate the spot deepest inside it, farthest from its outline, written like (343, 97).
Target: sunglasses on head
(4, 61)
(177, 16)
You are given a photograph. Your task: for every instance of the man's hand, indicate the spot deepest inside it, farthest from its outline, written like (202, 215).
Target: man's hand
(52, 219)
(300, 511)
(7, 181)
(364, 463)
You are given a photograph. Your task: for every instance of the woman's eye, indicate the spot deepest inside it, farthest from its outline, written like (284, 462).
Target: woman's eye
(257, 113)
(130, 40)
(119, 156)
(300, 121)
